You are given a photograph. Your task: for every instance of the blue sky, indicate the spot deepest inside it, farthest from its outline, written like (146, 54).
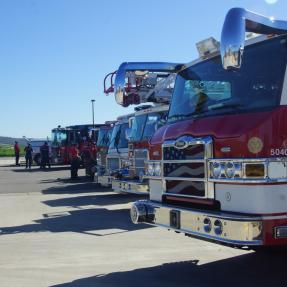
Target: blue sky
(54, 54)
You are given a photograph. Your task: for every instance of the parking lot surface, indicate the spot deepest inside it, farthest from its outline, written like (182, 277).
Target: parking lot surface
(58, 232)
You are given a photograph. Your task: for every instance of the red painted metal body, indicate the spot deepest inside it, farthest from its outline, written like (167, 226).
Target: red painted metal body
(228, 130)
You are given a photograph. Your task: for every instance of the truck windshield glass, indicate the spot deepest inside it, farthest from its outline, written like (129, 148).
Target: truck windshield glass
(153, 122)
(207, 89)
(59, 137)
(104, 137)
(138, 125)
(118, 139)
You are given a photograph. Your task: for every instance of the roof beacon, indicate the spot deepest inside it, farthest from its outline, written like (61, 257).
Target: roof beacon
(207, 47)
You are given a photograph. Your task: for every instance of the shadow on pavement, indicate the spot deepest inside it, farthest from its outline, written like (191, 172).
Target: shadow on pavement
(87, 221)
(100, 199)
(80, 185)
(38, 169)
(248, 270)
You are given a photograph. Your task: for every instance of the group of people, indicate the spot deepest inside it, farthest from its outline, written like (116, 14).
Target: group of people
(28, 150)
(74, 157)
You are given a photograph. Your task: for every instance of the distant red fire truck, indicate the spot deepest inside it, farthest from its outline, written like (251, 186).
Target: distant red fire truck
(84, 136)
(218, 169)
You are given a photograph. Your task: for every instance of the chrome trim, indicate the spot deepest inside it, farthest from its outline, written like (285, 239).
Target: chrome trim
(120, 79)
(184, 195)
(130, 187)
(208, 153)
(244, 162)
(236, 229)
(105, 180)
(280, 232)
(237, 22)
(283, 100)
(204, 179)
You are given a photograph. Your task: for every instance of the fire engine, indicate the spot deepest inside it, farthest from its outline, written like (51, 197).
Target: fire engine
(137, 83)
(102, 144)
(84, 136)
(218, 169)
(117, 155)
(142, 83)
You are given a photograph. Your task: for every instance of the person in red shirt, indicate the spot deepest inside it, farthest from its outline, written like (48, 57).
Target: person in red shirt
(17, 153)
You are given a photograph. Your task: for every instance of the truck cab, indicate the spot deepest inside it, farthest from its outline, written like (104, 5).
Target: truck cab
(83, 136)
(148, 85)
(117, 155)
(218, 169)
(147, 119)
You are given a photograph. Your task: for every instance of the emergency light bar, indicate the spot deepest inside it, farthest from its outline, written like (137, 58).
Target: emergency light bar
(237, 22)
(207, 47)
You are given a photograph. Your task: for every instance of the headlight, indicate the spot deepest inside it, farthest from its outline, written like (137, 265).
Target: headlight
(153, 169)
(215, 169)
(99, 159)
(229, 170)
(157, 169)
(150, 169)
(225, 170)
(125, 163)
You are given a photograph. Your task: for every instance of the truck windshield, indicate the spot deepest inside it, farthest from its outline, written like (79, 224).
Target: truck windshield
(59, 137)
(118, 139)
(206, 89)
(153, 122)
(104, 137)
(138, 127)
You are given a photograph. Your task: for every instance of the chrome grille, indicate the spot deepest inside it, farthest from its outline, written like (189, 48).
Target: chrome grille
(140, 156)
(188, 169)
(190, 152)
(185, 167)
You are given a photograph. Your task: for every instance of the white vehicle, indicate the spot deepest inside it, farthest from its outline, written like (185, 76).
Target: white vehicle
(36, 145)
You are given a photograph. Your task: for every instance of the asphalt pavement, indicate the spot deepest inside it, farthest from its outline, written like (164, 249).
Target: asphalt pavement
(58, 232)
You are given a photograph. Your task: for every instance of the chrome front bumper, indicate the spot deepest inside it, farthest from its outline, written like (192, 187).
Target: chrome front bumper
(130, 187)
(104, 180)
(215, 226)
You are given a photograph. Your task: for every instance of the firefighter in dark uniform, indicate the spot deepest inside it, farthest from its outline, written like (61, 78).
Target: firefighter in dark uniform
(28, 155)
(45, 156)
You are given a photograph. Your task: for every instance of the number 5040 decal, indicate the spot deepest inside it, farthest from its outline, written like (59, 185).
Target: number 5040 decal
(278, 151)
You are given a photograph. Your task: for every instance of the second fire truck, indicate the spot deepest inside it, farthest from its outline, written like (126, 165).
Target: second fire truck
(141, 83)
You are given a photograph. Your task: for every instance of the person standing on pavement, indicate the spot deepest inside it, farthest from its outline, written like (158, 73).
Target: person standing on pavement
(75, 161)
(45, 155)
(17, 153)
(28, 155)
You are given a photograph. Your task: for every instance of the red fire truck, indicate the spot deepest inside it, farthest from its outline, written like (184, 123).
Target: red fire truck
(84, 136)
(218, 169)
(141, 83)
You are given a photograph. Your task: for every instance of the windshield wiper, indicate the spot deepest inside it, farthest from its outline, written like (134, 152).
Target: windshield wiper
(177, 117)
(223, 106)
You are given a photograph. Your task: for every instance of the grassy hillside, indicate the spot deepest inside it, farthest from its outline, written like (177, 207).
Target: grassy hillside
(8, 150)
(7, 145)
